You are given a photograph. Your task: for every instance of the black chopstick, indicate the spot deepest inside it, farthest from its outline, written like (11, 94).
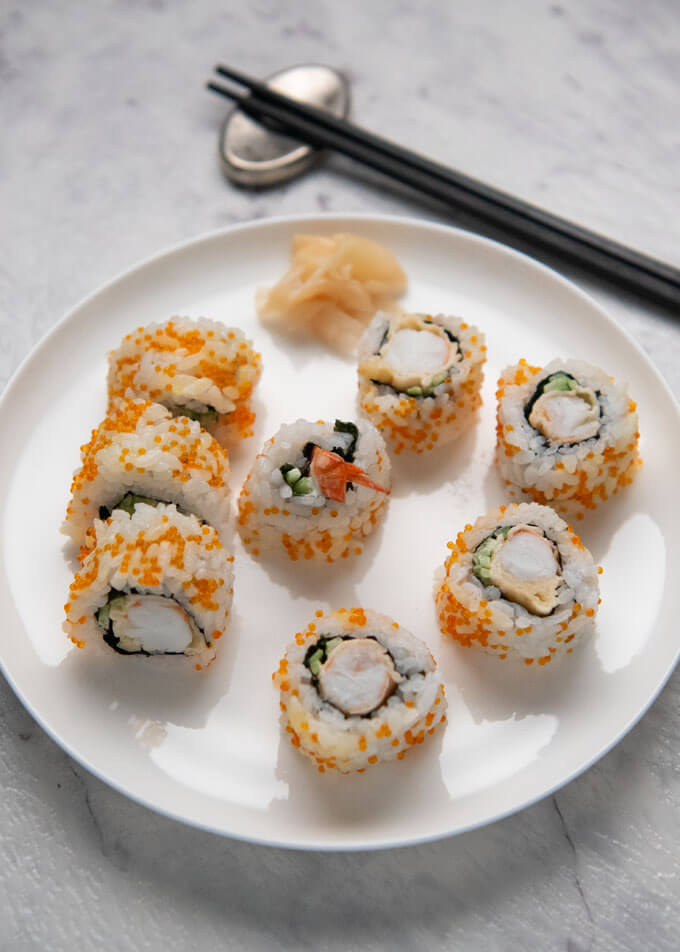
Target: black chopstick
(608, 258)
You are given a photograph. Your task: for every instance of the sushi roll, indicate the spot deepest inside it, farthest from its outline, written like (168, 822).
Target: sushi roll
(156, 582)
(315, 489)
(567, 434)
(519, 583)
(141, 453)
(356, 689)
(420, 377)
(200, 369)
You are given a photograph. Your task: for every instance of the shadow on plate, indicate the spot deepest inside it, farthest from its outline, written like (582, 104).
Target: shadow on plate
(423, 473)
(153, 692)
(381, 796)
(494, 690)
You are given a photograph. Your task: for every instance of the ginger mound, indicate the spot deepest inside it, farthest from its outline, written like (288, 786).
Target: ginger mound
(333, 288)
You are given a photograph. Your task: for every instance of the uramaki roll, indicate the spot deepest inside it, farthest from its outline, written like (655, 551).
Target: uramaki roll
(141, 453)
(357, 689)
(315, 489)
(567, 434)
(155, 582)
(518, 583)
(420, 377)
(199, 369)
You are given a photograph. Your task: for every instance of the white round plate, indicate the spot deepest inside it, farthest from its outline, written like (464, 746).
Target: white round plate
(207, 748)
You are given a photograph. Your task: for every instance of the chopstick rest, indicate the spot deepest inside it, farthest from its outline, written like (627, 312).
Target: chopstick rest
(253, 155)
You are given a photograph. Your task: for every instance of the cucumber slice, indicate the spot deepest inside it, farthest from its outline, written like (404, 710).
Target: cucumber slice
(103, 615)
(130, 500)
(559, 381)
(315, 661)
(484, 553)
(204, 417)
(292, 475)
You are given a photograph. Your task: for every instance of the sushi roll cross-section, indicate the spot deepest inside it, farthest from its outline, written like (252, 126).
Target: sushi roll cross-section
(199, 369)
(420, 378)
(141, 453)
(315, 489)
(357, 689)
(567, 435)
(518, 583)
(155, 582)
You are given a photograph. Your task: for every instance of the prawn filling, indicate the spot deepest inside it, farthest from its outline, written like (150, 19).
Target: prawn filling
(523, 564)
(326, 472)
(563, 411)
(415, 356)
(354, 675)
(140, 623)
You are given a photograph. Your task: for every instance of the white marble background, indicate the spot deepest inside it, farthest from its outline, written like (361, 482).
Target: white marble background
(108, 153)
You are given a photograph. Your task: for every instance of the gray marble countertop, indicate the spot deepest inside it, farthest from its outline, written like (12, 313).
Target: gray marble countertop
(108, 155)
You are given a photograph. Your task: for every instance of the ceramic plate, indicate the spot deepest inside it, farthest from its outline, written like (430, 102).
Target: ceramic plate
(206, 748)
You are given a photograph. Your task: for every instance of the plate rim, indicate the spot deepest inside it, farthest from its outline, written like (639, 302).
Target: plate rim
(409, 222)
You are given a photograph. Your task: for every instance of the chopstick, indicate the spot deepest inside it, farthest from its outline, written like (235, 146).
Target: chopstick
(607, 258)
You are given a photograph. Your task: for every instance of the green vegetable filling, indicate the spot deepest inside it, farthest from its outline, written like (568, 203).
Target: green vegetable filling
(428, 391)
(298, 478)
(127, 504)
(103, 615)
(484, 553)
(130, 500)
(557, 381)
(303, 486)
(317, 654)
(290, 473)
(204, 417)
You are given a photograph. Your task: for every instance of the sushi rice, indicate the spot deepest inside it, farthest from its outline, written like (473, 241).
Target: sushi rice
(309, 525)
(420, 378)
(155, 582)
(572, 473)
(540, 612)
(196, 368)
(391, 668)
(141, 450)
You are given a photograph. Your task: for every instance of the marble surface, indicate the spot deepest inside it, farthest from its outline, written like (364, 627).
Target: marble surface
(108, 155)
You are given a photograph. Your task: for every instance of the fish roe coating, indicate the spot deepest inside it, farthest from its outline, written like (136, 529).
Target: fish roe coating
(198, 366)
(575, 478)
(156, 551)
(326, 531)
(336, 742)
(419, 424)
(480, 616)
(141, 448)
